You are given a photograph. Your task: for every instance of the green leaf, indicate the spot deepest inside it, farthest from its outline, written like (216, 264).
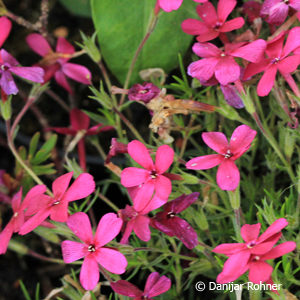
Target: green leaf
(78, 7)
(45, 151)
(33, 144)
(122, 25)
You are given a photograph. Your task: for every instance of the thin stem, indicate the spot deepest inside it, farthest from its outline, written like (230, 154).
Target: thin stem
(59, 100)
(150, 29)
(108, 202)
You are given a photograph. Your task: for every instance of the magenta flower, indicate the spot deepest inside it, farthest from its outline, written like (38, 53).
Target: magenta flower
(56, 63)
(18, 217)
(143, 92)
(79, 122)
(279, 58)
(228, 175)
(150, 179)
(57, 206)
(221, 64)
(115, 149)
(136, 219)
(167, 221)
(277, 10)
(213, 22)
(155, 285)
(5, 25)
(252, 10)
(92, 249)
(252, 254)
(169, 5)
(9, 65)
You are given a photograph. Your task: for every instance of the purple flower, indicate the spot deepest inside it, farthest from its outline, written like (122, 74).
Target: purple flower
(143, 92)
(9, 65)
(232, 96)
(167, 221)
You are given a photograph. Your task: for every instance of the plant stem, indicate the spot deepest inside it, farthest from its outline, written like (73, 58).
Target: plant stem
(108, 202)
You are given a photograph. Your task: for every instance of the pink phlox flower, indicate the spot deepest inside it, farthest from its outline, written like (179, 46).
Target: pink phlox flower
(92, 249)
(221, 64)
(144, 92)
(81, 122)
(228, 175)
(279, 58)
(252, 10)
(169, 223)
(19, 213)
(155, 285)
(277, 10)
(136, 219)
(152, 179)
(9, 65)
(170, 5)
(56, 63)
(252, 254)
(57, 206)
(5, 25)
(213, 22)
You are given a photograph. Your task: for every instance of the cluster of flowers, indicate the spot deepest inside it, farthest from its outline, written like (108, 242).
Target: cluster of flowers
(53, 63)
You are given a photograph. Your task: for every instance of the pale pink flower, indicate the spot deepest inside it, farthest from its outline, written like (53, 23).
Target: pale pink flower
(57, 206)
(252, 254)
(56, 63)
(170, 5)
(228, 175)
(19, 209)
(150, 179)
(155, 285)
(92, 249)
(221, 64)
(213, 22)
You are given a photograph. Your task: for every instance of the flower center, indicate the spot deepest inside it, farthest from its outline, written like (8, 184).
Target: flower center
(56, 202)
(4, 67)
(228, 154)
(217, 25)
(251, 245)
(153, 174)
(275, 60)
(286, 2)
(223, 54)
(171, 215)
(16, 214)
(256, 258)
(91, 248)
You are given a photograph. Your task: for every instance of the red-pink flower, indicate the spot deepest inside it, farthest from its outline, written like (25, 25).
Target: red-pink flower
(92, 249)
(252, 254)
(277, 10)
(150, 179)
(228, 175)
(56, 63)
(252, 10)
(279, 58)
(221, 64)
(19, 209)
(169, 223)
(136, 219)
(80, 121)
(155, 285)
(57, 206)
(5, 25)
(170, 5)
(213, 22)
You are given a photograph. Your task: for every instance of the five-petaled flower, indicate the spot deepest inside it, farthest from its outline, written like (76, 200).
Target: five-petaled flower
(92, 249)
(213, 22)
(56, 63)
(252, 254)
(57, 206)
(150, 179)
(169, 223)
(155, 285)
(228, 175)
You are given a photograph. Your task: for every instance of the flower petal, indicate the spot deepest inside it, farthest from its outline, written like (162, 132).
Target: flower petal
(227, 70)
(108, 228)
(164, 158)
(194, 27)
(267, 81)
(8, 58)
(134, 176)
(5, 25)
(33, 195)
(79, 120)
(289, 64)
(89, 274)
(38, 44)
(80, 224)
(112, 260)
(140, 154)
(77, 72)
(233, 24)
(225, 7)
(259, 271)
(141, 228)
(206, 50)
(228, 175)
(274, 228)
(168, 5)
(203, 69)
(143, 195)
(156, 285)
(7, 83)
(35, 74)
(62, 81)
(153, 204)
(63, 46)
(241, 140)
(207, 13)
(72, 251)
(280, 250)
(250, 232)
(5, 237)
(163, 187)
(59, 212)
(126, 288)
(60, 184)
(230, 248)
(204, 162)
(216, 141)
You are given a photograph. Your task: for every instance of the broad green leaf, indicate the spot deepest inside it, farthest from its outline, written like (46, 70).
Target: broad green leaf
(78, 7)
(122, 25)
